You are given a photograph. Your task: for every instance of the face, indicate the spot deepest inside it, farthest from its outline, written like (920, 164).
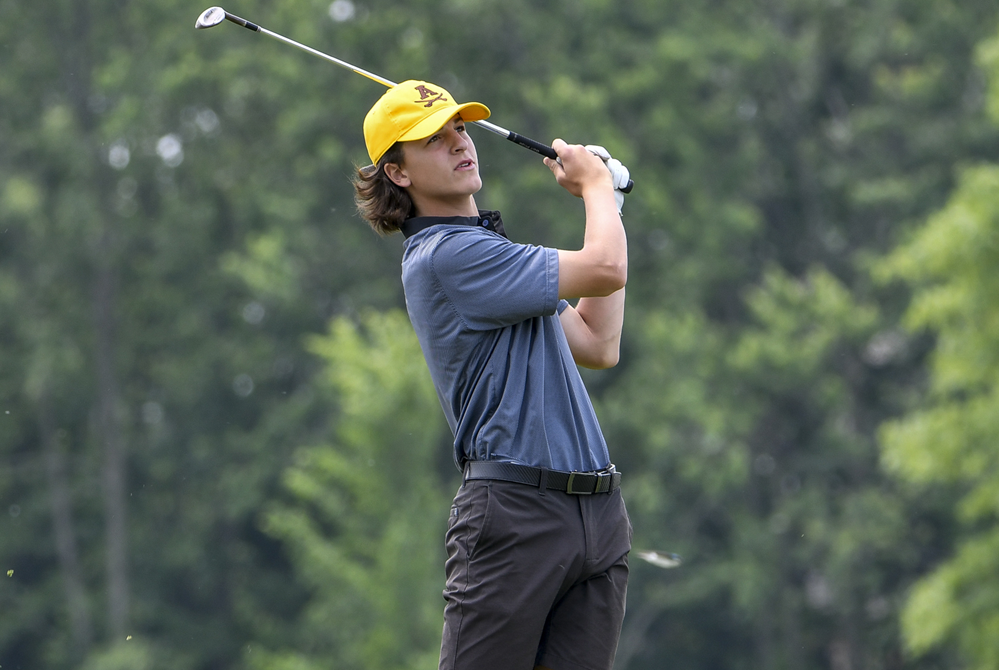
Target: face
(440, 172)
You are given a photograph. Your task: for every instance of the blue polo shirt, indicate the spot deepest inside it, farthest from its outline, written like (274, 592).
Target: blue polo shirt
(485, 312)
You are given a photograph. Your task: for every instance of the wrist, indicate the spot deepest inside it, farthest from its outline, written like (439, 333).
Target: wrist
(603, 188)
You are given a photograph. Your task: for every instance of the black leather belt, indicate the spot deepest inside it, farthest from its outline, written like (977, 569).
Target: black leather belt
(574, 483)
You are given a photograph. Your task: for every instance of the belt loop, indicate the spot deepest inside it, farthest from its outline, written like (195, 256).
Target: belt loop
(543, 481)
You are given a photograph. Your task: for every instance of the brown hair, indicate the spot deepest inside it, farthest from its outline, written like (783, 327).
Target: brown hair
(380, 202)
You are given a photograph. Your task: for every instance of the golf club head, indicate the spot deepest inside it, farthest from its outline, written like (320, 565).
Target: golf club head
(210, 18)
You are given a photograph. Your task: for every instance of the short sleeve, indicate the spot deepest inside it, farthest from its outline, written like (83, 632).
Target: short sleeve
(492, 282)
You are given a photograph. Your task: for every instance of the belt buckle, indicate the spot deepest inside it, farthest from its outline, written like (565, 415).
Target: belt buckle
(572, 478)
(604, 480)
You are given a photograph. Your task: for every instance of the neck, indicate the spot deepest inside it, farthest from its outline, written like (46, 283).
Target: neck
(462, 207)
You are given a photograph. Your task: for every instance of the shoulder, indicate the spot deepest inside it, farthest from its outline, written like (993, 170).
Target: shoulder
(480, 263)
(458, 248)
(453, 247)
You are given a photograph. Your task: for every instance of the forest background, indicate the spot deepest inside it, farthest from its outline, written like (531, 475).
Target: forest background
(219, 447)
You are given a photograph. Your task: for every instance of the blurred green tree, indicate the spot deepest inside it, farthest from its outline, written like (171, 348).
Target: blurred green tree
(790, 143)
(951, 264)
(175, 217)
(364, 516)
(153, 373)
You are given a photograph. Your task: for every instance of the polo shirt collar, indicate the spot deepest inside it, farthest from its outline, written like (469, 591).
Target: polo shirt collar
(490, 220)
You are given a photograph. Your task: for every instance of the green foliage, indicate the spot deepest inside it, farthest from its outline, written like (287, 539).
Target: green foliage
(761, 473)
(951, 260)
(264, 660)
(951, 440)
(365, 515)
(176, 220)
(745, 419)
(129, 655)
(800, 321)
(959, 602)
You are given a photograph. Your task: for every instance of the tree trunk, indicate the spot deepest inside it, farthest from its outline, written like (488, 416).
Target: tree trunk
(77, 71)
(113, 475)
(62, 526)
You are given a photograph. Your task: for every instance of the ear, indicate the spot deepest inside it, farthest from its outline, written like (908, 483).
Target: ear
(397, 174)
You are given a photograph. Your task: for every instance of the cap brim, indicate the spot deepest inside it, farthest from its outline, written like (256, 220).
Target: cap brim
(469, 111)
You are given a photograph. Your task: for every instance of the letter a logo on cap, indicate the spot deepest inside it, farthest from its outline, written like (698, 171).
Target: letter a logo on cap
(427, 93)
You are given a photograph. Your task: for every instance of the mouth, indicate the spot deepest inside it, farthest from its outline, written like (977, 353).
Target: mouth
(465, 165)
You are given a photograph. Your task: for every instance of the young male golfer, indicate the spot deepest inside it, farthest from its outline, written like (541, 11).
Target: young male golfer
(538, 537)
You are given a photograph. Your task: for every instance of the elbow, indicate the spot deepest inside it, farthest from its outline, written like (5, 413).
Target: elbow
(601, 363)
(613, 278)
(610, 360)
(603, 359)
(621, 276)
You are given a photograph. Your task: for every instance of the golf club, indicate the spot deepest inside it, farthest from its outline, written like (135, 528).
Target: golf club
(213, 16)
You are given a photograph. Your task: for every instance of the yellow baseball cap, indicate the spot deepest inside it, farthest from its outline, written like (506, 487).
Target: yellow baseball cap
(413, 110)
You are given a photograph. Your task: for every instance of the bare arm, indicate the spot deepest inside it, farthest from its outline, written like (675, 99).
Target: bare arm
(593, 329)
(598, 272)
(601, 266)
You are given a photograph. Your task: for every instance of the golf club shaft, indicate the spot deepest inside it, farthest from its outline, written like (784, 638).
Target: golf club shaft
(526, 142)
(211, 17)
(259, 29)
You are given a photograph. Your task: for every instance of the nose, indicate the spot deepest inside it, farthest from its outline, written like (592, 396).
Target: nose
(457, 141)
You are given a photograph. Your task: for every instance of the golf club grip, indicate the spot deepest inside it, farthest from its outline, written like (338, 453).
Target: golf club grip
(547, 151)
(536, 147)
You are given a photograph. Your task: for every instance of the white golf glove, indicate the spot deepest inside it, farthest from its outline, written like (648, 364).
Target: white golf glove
(619, 173)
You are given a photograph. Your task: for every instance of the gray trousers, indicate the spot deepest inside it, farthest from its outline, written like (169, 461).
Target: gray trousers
(534, 579)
